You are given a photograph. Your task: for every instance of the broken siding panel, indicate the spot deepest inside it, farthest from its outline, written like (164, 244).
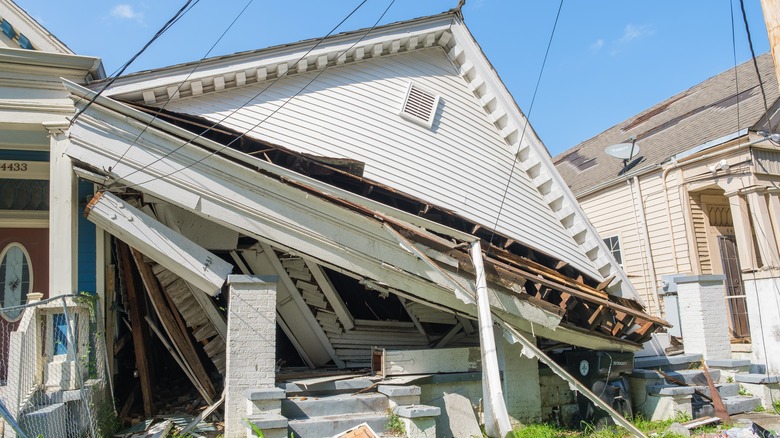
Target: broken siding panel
(352, 111)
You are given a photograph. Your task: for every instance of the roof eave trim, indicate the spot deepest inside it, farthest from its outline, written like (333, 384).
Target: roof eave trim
(530, 152)
(87, 64)
(288, 54)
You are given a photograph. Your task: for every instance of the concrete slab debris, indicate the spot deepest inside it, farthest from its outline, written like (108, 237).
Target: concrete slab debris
(458, 419)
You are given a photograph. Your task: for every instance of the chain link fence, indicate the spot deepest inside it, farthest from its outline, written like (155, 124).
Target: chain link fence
(53, 373)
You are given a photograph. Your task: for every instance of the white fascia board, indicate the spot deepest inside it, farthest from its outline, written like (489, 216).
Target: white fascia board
(176, 253)
(485, 70)
(143, 119)
(55, 62)
(289, 54)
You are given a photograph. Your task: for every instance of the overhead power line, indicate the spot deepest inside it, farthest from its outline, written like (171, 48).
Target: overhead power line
(181, 84)
(239, 137)
(525, 127)
(189, 4)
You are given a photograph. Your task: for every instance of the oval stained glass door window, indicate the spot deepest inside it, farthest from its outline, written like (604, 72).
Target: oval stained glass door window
(16, 277)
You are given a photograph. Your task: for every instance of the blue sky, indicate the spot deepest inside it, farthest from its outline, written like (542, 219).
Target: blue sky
(609, 59)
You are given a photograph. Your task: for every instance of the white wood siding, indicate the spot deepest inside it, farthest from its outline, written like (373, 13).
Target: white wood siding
(612, 213)
(351, 111)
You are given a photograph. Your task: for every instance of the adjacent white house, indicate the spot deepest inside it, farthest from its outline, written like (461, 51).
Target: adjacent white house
(692, 215)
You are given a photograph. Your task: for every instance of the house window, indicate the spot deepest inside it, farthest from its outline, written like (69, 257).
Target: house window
(613, 245)
(7, 29)
(419, 105)
(16, 275)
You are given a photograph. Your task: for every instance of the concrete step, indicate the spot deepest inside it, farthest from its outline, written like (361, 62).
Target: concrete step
(724, 389)
(309, 407)
(734, 405)
(347, 386)
(331, 425)
(667, 363)
(740, 404)
(694, 377)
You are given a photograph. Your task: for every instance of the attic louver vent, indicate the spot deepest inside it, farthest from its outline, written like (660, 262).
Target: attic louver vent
(419, 106)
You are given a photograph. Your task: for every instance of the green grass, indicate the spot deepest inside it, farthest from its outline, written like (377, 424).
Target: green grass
(658, 428)
(394, 424)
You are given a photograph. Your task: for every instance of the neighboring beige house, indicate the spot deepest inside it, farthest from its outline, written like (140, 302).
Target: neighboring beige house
(698, 199)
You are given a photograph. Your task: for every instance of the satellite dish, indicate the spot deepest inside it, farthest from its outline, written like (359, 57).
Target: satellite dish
(624, 151)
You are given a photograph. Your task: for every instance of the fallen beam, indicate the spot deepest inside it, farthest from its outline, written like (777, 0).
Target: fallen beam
(140, 339)
(530, 348)
(178, 254)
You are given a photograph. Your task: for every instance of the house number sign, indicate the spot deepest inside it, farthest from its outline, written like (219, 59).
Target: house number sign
(19, 169)
(14, 166)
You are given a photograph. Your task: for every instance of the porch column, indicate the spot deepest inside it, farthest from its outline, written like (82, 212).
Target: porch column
(702, 301)
(521, 383)
(765, 235)
(741, 217)
(763, 303)
(63, 215)
(773, 199)
(251, 348)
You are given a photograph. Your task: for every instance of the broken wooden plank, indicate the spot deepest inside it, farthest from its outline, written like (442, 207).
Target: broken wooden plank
(681, 383)
(331, 294)
(140, 340)
(176, 357)
(202, 415)
(198, 310)
(111, 317)
(180, 340)
(413, 317)
(720, 408)
(699, 422)
(596, 317)
(168, 248)
(601, 286)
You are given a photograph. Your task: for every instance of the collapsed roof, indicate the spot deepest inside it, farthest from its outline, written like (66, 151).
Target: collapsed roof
(321, 167)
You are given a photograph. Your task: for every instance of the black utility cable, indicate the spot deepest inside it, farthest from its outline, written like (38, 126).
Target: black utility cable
(525, 126)
(755, 65)
(239, 137)
(159, 33)
(203, 58)
(215, 124)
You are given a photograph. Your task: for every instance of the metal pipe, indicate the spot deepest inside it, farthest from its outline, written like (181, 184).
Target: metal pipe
(496, 415)
(669, 225)
(648, 247)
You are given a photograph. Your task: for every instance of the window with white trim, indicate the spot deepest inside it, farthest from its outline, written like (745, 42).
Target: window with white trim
(16, 275)
(613, 245)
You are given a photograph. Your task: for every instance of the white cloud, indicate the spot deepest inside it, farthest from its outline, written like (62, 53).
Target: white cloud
(597, 45)
(632, 32)
(126, 12)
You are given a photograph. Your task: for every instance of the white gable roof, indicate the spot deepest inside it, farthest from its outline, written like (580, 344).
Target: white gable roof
(25, 27)
(283, 95)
